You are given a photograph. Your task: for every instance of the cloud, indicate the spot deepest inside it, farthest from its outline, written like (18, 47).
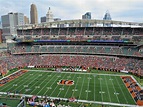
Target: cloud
(126, 10)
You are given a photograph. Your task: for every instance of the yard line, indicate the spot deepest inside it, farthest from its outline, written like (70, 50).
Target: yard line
(88, 88)
(69, 87)
(101, 89)
(15, 81)
(114, 90)
(107, 88)
(75, 87)
(18, 83)
(27, 82)
(56, 86)
(46, 84)
(94, 87)
(82, 86)
(122, 91)
(39, 84)
(62, 87)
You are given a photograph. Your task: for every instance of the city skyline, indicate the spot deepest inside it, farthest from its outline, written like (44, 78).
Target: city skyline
(122, 10)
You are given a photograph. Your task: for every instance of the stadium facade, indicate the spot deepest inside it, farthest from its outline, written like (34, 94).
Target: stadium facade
(111, 48)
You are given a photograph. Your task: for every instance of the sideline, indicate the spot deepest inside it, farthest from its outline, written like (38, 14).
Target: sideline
(83, 101)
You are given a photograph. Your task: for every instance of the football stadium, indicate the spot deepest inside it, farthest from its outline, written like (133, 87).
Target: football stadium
(74, 66)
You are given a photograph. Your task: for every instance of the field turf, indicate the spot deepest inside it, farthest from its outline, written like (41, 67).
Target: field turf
(89, 87)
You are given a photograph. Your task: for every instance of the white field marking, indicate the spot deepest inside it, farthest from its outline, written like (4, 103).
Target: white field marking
(15, 85)
(128, 90)
(100, 78)
(16, 82)
(94, 86)
(49, 88)
(46, 84)
(30, 82)
(121, 90)
(74, 89)
(101, 89)
(28, 89)
(55, 88)
(107, 88)
(39, 84)
(31, 74)
(49, 75)
(77, 72)
(69, 87)
(83, 101)
(52, 84)
(89, 78)
(58, 76)
(114, 90)
(88, 87)
(9, 75)
(75, 86)
(25, 86)
(69, 76)
(101, 92)
(116, 93)
(81, 87)
(87, 91)
(111, 79)
(60, 90)
(40, 74)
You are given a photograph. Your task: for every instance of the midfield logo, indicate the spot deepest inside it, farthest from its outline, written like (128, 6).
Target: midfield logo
(65, 82)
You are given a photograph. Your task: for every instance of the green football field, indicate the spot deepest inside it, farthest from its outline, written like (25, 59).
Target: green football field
(86, 86)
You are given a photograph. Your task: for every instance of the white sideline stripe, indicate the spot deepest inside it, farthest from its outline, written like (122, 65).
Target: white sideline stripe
(11, 74)
(122, 90)
(84, 101)
(76, 72)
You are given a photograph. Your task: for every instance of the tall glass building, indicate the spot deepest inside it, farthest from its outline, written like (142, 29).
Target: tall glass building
(86, 16)
(107, 16)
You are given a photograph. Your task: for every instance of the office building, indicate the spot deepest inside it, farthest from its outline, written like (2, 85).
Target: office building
(0, 35)
(9, 24)
(26, 20)
(43, 19)
(49, 16)
(107, 16)
(86, 16)
(33, 14)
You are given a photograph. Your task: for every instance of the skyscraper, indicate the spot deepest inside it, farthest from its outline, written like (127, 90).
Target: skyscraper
(107, 16)
(49, 16)
(26, 20)
(33, 14)
(87, 16)
(9, 23)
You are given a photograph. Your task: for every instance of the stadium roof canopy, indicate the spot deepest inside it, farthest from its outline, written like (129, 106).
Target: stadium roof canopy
(79, 22)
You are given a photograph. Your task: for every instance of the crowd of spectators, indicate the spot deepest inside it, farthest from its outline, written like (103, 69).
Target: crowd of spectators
(134, 89)
(109, 50)
(111, 63)
(11, 77)
(103, 33)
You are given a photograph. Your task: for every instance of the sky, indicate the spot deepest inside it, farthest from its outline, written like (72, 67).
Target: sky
(120, 10)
